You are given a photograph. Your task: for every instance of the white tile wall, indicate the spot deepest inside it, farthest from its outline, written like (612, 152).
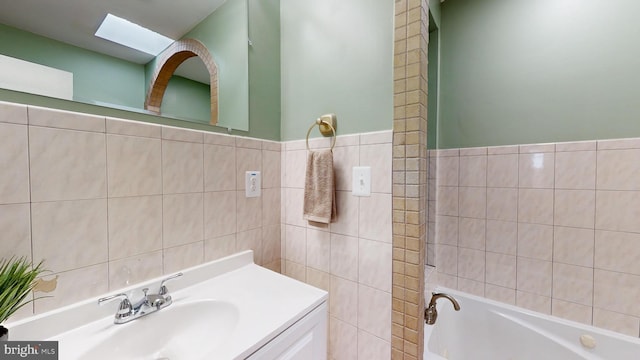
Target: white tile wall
(351, 257)
(554, 228)
(110, 202)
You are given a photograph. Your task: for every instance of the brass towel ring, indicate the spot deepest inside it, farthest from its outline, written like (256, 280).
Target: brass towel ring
(325, 123)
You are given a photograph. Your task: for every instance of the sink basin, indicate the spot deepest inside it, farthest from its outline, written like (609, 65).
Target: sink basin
(189, 331)
(226, 309)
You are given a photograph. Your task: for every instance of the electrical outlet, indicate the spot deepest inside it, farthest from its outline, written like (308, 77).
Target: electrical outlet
(252, 184)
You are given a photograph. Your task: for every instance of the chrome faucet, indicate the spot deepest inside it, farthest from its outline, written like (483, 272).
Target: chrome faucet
(431, 314)
(148, 304)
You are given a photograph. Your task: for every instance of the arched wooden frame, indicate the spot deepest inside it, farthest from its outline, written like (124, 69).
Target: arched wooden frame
(167, 64)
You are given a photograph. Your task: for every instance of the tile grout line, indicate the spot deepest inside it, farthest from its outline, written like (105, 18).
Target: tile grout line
(106, 180)
(28, 129)
(593, 255)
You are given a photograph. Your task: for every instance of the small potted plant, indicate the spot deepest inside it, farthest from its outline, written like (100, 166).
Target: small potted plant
(17, 280)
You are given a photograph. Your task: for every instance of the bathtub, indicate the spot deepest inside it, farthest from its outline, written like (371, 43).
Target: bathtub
(488, 330)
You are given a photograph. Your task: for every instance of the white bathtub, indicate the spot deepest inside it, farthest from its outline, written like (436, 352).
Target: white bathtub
(485, 329)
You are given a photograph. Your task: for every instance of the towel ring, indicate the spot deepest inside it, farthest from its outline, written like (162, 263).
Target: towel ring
(318, 123)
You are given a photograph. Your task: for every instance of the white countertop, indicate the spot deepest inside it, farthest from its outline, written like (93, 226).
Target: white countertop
(267, 304)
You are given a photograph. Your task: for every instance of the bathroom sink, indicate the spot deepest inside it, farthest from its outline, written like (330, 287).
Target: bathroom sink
(226, 309)
(189, 331)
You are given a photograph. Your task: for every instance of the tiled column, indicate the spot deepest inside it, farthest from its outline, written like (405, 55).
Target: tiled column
(409, 177)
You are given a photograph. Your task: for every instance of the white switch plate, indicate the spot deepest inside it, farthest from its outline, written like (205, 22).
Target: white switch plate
(252, 184)
(361, 181)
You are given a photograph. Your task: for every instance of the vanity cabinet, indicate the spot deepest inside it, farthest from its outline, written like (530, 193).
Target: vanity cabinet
(304, 340)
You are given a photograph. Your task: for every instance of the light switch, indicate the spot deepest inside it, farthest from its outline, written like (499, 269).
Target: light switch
(361, 181)
(252, 184)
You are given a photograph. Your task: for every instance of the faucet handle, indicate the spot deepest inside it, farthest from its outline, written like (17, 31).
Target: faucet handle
(163, 289)
(125, 308)
(112, 297)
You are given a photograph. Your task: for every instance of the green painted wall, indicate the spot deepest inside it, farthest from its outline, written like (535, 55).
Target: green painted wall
(523, 71)
(264, 68)
(434, 10)
(225, 34)
(187, 99)
(96, 77)
(336, 57)
(432, 88)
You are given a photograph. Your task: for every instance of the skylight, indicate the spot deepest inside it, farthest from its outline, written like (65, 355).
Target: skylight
(132, 35)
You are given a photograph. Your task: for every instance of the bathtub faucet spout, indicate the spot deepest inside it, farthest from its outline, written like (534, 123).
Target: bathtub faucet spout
(431, 314)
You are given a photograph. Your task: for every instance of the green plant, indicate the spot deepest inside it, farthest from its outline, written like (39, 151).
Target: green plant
(17, 279)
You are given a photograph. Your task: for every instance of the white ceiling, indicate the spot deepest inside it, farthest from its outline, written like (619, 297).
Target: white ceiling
(75, 22)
